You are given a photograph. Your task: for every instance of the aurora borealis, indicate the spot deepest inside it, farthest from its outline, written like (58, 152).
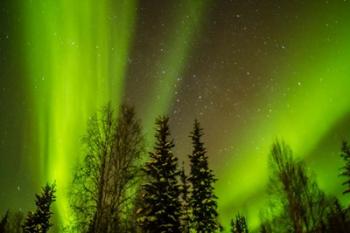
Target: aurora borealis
(250, 71)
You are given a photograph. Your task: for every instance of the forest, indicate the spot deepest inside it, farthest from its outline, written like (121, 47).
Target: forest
(120, 187)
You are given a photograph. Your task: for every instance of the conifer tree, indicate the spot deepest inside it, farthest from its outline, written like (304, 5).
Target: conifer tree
(346, 168)
(161, 204)
(39, 221)
(203, 200)
(185, 198)
(239, 225)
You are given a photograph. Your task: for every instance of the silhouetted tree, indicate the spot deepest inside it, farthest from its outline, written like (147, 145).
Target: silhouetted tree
(3, 222)
(203, 200)
(133, 226)
(161, 209)
(337, 220)
(15, 222)
(303, 205)
(265, 228)
(185, 199)
(39, 221)
(105, 183)
(346, 168)
(239, 225)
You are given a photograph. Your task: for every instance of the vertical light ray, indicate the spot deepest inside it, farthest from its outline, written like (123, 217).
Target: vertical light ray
(77, 54)
(172, 65)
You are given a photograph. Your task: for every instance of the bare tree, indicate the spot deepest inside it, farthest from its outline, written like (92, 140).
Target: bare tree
(303, 205)
(12, 222)
(105, 182)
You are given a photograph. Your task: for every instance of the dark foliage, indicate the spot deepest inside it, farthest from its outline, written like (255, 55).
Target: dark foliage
(105, 182)
(12, 222)
(203, 199)
(39, 221)
(239, 224)
(185, 199)
(107, 197)
(346, 168)
(303, 207)
(161, 209)
(337, 220)
(3, 222)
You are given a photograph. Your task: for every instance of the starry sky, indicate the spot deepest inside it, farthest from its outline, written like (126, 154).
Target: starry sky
(251, 71)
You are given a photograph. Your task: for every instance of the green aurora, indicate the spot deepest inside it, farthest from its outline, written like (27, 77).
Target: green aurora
(319, 82)
(83, 67)
(79, 55)
(77, 60)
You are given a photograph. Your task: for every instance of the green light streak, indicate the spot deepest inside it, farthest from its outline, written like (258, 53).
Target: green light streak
(172, 64)
(313, 97)
(77, 56)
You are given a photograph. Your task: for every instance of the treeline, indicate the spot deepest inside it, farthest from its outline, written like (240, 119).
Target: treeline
(115, 190)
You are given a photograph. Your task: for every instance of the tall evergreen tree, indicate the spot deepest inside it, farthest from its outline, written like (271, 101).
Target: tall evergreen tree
(239, 225)
(203, 200)
(185, 199)
(39, 221)
(161, 208)
(346, 168)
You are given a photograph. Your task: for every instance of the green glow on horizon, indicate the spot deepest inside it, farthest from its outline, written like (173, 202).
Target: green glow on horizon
(314, 96)
(77, 56)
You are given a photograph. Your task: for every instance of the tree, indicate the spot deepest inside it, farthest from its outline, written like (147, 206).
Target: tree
(337, 219)
(303, 205)
(346, 168)
(239, 225)
(39, 221)
(203, 200)
(161, 204)
(133, 226)
(265, 228)
(14, 222)
(3, 222)
(185, 199)
(105, 182)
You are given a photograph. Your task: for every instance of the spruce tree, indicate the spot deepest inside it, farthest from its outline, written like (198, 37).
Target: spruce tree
(39, 221)
(203, 200)
(346, 168)
(161, 208)
(239, 225)
(185, 198)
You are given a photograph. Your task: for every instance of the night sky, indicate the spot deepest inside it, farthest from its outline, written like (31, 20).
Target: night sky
(251, 71)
